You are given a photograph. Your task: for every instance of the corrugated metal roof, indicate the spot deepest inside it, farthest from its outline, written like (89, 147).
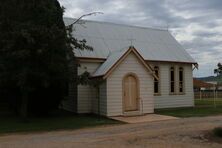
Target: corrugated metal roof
(152, 44)
(110, 61)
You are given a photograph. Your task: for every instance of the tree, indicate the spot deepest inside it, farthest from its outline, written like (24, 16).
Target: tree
(218, 70)
(35, 54)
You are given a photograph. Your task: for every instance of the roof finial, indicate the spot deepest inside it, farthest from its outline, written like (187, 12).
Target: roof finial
(131, 41)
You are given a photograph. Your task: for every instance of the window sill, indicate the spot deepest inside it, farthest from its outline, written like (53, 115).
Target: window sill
(177, 93)
(157, 94)
(181, 93)
(172, 93)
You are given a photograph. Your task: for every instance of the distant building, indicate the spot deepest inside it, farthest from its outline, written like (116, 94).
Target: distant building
(201, 85)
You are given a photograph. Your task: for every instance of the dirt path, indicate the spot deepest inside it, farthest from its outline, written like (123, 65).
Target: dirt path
(179, 133)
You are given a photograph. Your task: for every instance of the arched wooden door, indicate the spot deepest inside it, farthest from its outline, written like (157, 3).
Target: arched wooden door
(130, 93)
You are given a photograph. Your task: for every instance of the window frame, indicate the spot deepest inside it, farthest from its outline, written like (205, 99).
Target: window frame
(179, 80)
(156, 81)
(174, 80)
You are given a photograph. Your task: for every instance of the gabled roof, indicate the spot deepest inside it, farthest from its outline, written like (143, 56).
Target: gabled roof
(198, 84)
(115, 58)
(105, 38)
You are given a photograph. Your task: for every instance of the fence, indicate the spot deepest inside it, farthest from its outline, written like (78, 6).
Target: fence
(207, 94)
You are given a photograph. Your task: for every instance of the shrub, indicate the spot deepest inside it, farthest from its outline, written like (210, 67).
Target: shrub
(218, 131)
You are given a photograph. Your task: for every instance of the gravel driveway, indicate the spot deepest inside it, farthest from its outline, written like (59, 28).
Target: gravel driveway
(180, 133)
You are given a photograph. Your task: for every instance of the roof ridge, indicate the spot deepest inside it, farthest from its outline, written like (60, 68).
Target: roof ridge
(133, 26)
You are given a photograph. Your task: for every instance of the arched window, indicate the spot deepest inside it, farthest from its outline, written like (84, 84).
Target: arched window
(156, 82)
(172, 80)
(181, 80)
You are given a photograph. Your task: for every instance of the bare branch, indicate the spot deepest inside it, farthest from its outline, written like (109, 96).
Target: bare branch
(93, 13)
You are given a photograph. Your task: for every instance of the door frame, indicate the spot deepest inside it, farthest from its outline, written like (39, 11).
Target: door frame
(138, 91)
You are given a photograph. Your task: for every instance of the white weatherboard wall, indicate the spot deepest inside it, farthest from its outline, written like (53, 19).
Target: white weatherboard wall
(165, 100)
(103, 99)
(111, 89)
(131, 64)
(87, 95)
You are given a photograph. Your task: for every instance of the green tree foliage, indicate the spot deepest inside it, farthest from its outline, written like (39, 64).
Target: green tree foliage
(35, 52)
(218, 70)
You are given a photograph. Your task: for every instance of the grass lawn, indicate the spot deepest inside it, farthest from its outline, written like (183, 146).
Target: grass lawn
(204, 107)
(68, 121)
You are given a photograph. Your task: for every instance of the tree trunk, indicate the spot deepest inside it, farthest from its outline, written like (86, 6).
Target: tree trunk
(24, 106)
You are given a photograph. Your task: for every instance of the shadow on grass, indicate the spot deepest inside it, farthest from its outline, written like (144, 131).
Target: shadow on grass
(59, 120)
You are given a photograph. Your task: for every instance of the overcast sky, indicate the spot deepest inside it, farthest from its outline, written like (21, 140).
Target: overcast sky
(196, 24)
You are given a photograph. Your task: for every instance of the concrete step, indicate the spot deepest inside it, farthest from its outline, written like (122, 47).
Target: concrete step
(132, 113)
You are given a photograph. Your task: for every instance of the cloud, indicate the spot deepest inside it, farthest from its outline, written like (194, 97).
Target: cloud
(195, 24)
